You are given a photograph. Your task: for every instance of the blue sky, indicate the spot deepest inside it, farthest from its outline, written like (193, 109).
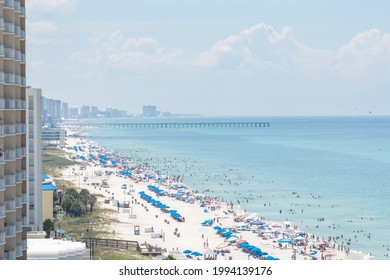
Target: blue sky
(232, 57)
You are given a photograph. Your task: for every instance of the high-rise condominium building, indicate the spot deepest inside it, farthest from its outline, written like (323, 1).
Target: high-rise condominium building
(34, 132)
(13, 141)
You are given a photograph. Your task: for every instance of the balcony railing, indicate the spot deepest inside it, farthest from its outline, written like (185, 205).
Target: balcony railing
(10, 255)
(24, 244)
(9, 53)
(10, 180)
(19, 250)
(9, 128)
(9, 4)
(9, 78)
(10, 230)
(2, 210)
(9, 27)
(24, 198)
(19, 202)
(19, 226)
(9, 154)
(2, 77)
(2, 184)
(10, 205)
(2, 23)
(2, 237)
(25, 221)
(18, 177)
(17, 5)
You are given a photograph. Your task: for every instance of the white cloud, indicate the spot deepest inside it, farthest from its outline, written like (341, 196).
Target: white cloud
(366, 52)
(50, 5)
(263, 47)
(116, 51)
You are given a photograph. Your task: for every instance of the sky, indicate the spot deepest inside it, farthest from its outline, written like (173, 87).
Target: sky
(213, 57)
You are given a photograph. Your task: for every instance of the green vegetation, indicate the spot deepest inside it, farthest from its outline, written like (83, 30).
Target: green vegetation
(53, 161)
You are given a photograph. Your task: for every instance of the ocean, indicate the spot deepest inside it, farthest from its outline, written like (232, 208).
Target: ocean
(328, 175)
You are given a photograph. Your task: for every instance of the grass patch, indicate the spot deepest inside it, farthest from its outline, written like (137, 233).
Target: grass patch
(52, 164)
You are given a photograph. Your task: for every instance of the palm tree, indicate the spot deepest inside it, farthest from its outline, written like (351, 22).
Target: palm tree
(92, 200)
(84, 196)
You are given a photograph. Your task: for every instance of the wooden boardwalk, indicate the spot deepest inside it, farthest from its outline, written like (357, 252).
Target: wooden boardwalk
(144, 249)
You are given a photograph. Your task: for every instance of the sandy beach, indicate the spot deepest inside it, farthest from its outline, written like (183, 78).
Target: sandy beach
(182, 221)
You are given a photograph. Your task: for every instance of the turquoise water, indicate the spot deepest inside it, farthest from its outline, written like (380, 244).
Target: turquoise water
(299, 169)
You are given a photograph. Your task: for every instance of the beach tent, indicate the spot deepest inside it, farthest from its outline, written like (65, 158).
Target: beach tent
(207, 222)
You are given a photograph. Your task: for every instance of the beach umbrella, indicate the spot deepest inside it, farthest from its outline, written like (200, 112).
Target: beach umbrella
(232, 238)
(313, 252)
(217, 227)
(196, 254)
(187, 251)
(284, 240)
(241, 241)
(209, 221)
(256, 223)
(243, 244)
(60, 231)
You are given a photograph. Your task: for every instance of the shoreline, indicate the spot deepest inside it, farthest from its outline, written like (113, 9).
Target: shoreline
(191, 235)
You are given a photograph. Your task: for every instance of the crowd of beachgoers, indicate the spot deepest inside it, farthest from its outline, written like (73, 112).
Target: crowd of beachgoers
(163, 211)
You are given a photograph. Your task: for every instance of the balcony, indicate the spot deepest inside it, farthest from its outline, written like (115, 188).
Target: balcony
(10, 154)
(18, 177)
(2, 210)
(24, 244)
(9, 4)
(17, 5)
(19, 250)
(18, 30)
(9, 103)
(9, 27)
(10, 230)
(9, 53)
(10, 255)
(10, 205)
(25, 221)
(2, 184)
(9, 78)
(10, 180)
(2, 237)
(24, 57)
(19, 226)
(9, 128)
(2, 78)
(24, 198)
(20, 152)
(2, 23)
(19, 202)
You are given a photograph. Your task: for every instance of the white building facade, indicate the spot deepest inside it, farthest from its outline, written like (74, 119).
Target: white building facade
(34, 132)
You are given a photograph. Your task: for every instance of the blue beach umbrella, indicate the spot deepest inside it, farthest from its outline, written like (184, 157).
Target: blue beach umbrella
(187, 251)
(284, 240)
